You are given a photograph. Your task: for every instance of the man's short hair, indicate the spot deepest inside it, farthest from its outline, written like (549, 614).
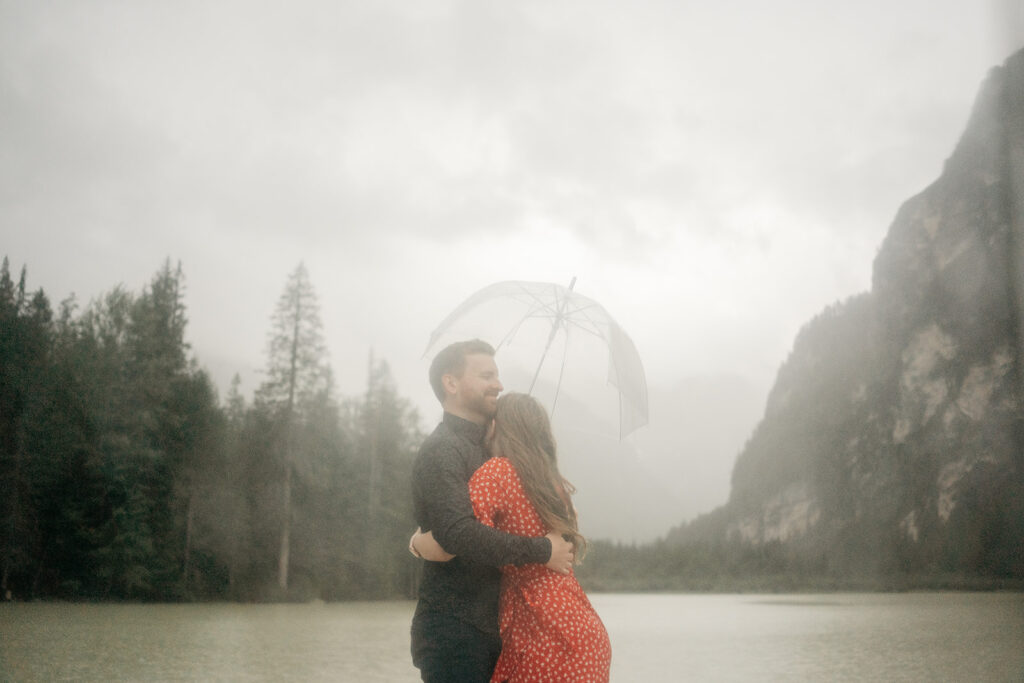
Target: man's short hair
(451, 360)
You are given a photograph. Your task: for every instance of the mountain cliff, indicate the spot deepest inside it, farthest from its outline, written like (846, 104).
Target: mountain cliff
(893, 438)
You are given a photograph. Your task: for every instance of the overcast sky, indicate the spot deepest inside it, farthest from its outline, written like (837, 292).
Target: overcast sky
(715, 174)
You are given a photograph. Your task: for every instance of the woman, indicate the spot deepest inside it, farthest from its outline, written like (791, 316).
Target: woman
(549, 630)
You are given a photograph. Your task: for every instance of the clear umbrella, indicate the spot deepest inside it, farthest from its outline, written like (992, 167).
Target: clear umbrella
(548, 321)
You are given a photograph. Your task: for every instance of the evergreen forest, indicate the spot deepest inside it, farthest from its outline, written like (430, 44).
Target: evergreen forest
(125, 476)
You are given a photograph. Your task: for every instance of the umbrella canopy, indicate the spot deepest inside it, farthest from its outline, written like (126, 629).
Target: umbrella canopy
(557, 324)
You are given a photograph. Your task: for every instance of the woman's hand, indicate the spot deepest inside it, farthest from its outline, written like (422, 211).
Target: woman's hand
(424, 546)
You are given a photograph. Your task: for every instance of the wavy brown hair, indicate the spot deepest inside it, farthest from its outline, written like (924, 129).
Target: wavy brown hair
(522, 433)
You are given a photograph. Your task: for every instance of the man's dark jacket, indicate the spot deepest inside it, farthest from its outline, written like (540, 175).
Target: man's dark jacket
(468, 586)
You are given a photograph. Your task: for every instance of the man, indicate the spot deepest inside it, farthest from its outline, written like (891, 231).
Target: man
(455, 627)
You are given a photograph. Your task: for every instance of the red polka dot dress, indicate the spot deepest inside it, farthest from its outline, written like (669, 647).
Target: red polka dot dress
(549, 630)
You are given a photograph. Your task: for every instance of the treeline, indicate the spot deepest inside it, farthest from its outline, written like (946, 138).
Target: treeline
(733, 566)
(123, 475)
(705, 566)
(703, 555)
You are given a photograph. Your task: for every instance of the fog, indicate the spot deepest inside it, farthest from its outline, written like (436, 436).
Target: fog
(712, 175)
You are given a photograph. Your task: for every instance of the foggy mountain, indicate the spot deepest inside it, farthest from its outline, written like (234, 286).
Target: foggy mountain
(674, 468)
(893, 438)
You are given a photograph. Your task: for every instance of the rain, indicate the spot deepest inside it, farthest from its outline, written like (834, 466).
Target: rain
(711, 177)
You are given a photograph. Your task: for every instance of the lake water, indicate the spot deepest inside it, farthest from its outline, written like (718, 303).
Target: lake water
(833, 637)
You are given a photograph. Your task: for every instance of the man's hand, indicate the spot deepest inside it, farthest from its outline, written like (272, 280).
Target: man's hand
(424, 546)
(562, 554)
(412, 543)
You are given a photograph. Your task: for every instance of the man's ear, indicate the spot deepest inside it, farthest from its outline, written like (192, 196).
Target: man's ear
(450, 384)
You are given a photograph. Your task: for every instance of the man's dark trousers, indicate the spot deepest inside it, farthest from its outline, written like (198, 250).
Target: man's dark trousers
(447, 650)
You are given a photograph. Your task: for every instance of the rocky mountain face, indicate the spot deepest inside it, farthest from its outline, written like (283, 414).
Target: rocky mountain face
(893, 439)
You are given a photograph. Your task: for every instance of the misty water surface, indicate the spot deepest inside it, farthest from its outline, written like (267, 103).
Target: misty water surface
(843, 637)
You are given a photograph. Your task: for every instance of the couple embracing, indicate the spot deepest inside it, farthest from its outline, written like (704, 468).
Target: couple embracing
(498, 600)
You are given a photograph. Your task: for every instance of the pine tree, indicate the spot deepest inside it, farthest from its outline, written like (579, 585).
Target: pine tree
(227, 520)
(24, 341)
(143, 419)
(298, 378)
(122, 545)
(386, 434)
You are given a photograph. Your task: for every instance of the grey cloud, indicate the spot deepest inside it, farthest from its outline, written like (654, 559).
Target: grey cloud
(239, 116)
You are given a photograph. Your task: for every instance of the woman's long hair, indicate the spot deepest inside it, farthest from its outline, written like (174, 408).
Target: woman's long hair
(522, 433)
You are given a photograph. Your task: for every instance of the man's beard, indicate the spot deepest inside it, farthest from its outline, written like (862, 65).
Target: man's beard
(484, 405)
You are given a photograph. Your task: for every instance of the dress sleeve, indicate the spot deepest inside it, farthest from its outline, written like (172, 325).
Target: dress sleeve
(488, 491)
